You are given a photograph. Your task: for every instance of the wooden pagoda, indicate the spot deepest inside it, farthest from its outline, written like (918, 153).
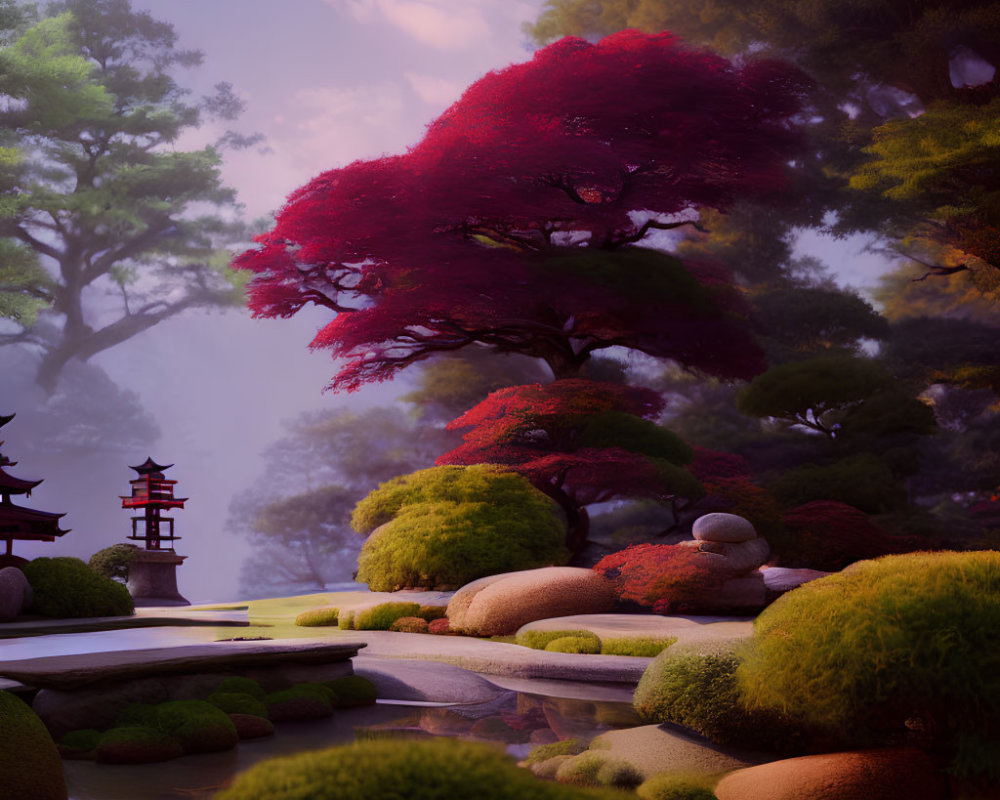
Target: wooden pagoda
(152, 577)
(17, 522)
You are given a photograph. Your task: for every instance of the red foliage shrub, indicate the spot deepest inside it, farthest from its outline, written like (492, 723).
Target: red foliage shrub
(828, 535)
(665, 578)
(440, 626)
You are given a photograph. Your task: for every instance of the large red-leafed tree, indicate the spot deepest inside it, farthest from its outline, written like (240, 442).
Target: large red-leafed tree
(509, 225)
(580, 442)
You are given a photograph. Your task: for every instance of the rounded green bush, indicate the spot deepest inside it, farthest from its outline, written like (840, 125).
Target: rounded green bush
(238, 683)
(700, 692)
(574, 644)
(566, 747)
(619, 773)
(67, 588)
(114, 562)
(894, 640)
(79, 743)
(410, 625)
(136, 745)
(582, 769)
(383, 769)
(540, 640)
(352, 690)
(381, 617)
(137, 715)
(197, 725)
(444, 527)
(238, 703)
(302, 701)
(30, 767)
(675, 787)
(644, 646)
(318, 617)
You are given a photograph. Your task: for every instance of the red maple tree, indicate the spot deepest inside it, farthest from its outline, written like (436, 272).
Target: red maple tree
(509, 224)
(580, 442)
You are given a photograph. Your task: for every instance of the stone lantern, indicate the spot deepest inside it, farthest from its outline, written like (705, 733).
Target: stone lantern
(152, 575)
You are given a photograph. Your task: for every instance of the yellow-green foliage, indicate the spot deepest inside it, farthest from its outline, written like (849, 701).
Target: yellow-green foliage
(66, 587)
(700, 692)
(384, 769)
(431, 613)
(582, 769)
(540, 640)
(381, 617)
(317, 617)
(575, 644)
(352, 690)
(345, 621)
(567, 747)
(910, 636)
(676, 787)
(618, 773)
(446, 526)
(30, 767)
(639, 646)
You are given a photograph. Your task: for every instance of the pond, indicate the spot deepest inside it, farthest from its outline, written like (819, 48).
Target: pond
(514, 719)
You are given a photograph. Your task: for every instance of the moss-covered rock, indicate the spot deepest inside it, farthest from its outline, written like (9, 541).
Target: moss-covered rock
(582, 769)
(676, 787)
(540, 640)
(250, 726)
(381, 617)
(80, 743)
(237, 683)
(197, 725)
(30, 768)
(566, 747)
(136, 745)
(388, 770)
(352, 690)
(574, 644)
(238, 703)
(642, 646)
(298, 703)
(66, 587)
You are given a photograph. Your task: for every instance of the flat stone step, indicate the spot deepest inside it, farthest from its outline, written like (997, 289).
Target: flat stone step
(85, 670)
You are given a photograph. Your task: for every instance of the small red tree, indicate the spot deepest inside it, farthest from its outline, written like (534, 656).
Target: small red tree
(508, 225)
(580, 442)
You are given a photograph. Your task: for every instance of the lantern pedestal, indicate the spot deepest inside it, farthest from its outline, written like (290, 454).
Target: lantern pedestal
(152, 579)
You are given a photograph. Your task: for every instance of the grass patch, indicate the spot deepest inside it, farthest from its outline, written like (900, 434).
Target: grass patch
(645, 646)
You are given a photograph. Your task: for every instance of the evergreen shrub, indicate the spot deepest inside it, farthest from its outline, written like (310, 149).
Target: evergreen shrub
(381, 617)
(67, 588)
(318, 617)
(351, 691)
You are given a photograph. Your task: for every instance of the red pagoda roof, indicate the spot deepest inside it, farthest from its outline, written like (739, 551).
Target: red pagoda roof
(149, 466)
(11, 485)
(26, 523)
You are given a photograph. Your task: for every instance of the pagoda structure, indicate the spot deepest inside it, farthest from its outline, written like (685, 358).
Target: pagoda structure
(152, 576)
(17, 522)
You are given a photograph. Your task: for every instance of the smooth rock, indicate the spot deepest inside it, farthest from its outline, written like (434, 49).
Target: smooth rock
(63, 712)
(886, 774)
(399, 679)
(720, 527)
(744, 594)
(15, 593)
(653, 749)
(730, 558)
(503, 605)
(784, 579)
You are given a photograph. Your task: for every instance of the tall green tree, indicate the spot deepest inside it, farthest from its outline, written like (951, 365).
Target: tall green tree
(104, 218)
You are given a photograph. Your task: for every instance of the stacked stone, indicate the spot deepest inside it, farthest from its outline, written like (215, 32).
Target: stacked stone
(16, 596)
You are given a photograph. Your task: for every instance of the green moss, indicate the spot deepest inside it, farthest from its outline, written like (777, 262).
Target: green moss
(318, 617)
(446, 526)
(575, 644)
(136, 745)
(67, 588)
(346, 621)
(381, 617)
(567, 747)
(351, 691)
(582, 769)
(142, 715)
(676, 787)
(387, 770)
(641, 646)
(539, 640)
(238, 703)
(81, 740)
(885, 641)
(619, 774)
(29, 760)
(700, 692)
(242, 685)
(197, 725)
(302, 701)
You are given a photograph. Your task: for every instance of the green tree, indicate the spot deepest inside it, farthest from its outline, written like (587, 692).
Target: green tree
(100, 198)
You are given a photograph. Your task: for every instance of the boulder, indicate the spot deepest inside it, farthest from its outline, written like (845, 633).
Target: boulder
(15, 593)
(250, 726)
(723, 528)
(501, 604)
(730, 558)
(63, 712)
(888, 774)
(744, 594)
(784, 579)
(30, 767)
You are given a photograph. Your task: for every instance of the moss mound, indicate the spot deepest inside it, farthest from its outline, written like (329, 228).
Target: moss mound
(242, 685)
(136, 745)
(67, 588)
(675, 787)
(567, 747)
(197, 725)
(352, 690)
(645, 646)
(574, 644)
(80, 743)
(701, 692)
(540, 640)
(238, 703)
(883, 645)
(303, 701)
(318, 617)
(410, 625)
(381, 617)
(29, 760)
(384, 769)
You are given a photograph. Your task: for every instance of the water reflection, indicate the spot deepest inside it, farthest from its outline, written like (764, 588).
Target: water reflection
(519, 721)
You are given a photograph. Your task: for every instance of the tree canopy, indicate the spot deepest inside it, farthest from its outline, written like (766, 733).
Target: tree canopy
(95, 202)
(508, 225)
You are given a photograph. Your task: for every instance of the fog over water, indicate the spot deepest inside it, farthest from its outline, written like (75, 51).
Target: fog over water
(326, 83)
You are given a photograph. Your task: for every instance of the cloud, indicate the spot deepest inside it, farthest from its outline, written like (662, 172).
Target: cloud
(437, 92)
(440, 24)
